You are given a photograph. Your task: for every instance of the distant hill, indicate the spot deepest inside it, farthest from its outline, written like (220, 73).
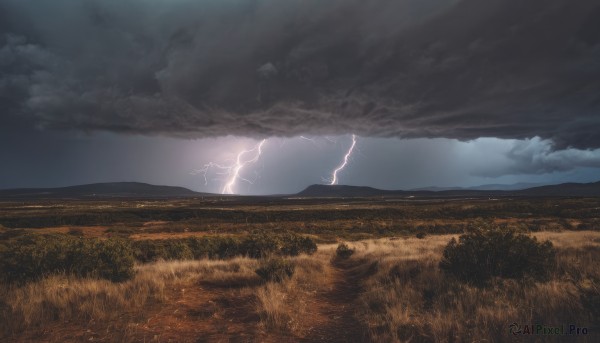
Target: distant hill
(565, 189)
(144, 190)
(504, 187)
(346, 191)
(105, 190)
(331, 191)
(488, 187)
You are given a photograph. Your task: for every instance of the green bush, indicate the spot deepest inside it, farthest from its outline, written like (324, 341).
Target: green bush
(222, 247)
(189, 248)
(259, 245)
(149, 250)
(178, 250)
(481, 255)
(275, 269)
(293, 245)
(162, 249)
(110, 259)
(343, 251)
(33, 256)
(263, 244)
(209, 247)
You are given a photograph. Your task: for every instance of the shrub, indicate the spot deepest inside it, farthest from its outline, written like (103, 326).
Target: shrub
(149, 250)
(162, 249)
(343, 251)
(482, 254)
(206, 247)
(293, 245)
(259, 245)
(421, 235)
(275, 269)
(177, 250)
(223, 247)
(189, 248)
(110, 259)
(33, 256)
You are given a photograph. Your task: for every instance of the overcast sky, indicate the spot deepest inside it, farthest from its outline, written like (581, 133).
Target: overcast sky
(439, 92)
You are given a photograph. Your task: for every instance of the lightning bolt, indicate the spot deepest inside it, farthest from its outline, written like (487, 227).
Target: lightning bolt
(233, 171)
(240, 164)
(334, 178)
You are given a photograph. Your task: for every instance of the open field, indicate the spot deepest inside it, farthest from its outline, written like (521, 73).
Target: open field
(390, 289)
(328, 219)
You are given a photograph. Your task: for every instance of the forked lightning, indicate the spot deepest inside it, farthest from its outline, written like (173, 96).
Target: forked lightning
(233, 171)
(334, 178)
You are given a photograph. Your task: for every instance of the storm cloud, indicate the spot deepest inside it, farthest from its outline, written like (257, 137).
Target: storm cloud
(257, 68)
(534, 156)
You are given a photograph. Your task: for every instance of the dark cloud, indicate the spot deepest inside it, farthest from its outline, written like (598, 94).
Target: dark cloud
(408, 68)
(536, 156)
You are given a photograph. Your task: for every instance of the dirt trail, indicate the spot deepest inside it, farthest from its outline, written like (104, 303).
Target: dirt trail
(210, 313)
(204, 313)
(337, 306)
(234, 318)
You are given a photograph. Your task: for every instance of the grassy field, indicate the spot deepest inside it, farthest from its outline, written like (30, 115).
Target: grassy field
(391, 289)
(327, 219)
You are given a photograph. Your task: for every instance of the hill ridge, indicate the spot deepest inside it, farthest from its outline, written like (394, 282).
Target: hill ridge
(101, 189)
(563, 189)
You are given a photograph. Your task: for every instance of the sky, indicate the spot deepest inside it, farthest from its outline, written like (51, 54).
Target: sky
(438, 93)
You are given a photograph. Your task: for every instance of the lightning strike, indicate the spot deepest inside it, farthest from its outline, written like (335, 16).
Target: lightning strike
(240, 164)
(233, 171)
(334, 179)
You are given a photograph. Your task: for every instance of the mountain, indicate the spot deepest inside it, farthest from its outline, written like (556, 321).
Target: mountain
(331, 191)
(144, 190)
(488, 187)
(435, 189)
(505, 187)
(103, 190)
(565, 189)
(318, 191)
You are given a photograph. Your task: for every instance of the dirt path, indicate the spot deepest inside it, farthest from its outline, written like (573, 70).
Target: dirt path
(202, 312)
(213, 314)
(337, 306)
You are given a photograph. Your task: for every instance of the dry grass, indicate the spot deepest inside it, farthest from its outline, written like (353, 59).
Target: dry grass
(287, 306)
(68, 299)
(395, 290)
(409, 299)
(570, 239)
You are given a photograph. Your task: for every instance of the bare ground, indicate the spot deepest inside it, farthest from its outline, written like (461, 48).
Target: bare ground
(337, 306)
